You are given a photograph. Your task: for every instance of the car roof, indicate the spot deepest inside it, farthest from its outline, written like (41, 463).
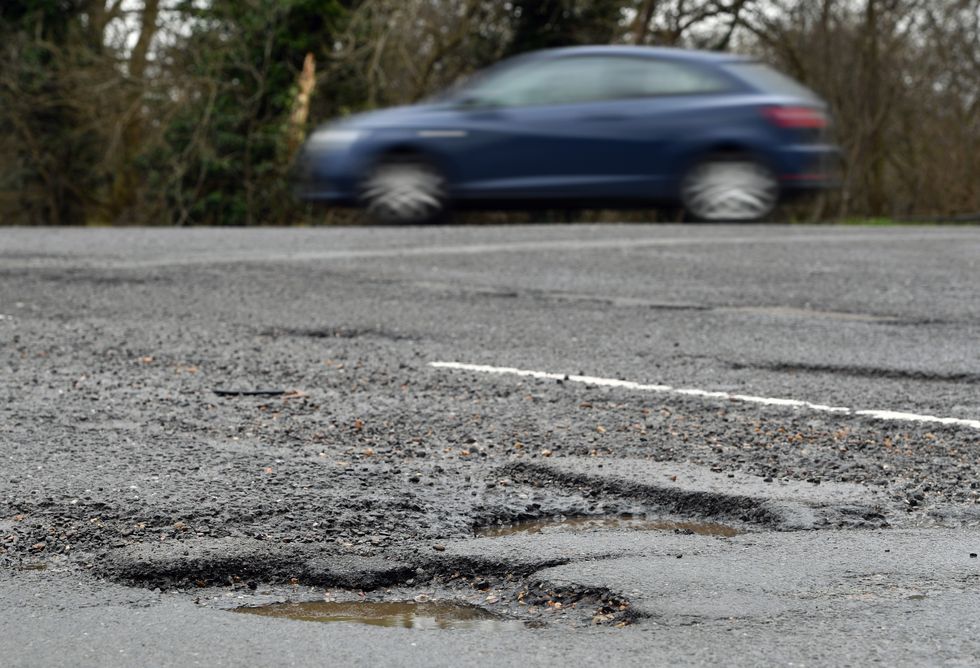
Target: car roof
(688, 55)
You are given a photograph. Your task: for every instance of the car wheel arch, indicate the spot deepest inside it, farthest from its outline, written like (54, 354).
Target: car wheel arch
(727, 148)
(408, 151)
(713, 150)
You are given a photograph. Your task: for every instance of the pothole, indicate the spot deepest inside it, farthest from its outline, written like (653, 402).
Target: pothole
(590, 523)
(397, 614)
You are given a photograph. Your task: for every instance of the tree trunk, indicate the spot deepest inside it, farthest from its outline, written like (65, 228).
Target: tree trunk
(148, 30)
(126, 184)
(874, 147)
(642, 23)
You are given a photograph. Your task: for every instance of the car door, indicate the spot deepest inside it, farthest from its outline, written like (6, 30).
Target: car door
(656, 108)
(540, 131)
(576, 127)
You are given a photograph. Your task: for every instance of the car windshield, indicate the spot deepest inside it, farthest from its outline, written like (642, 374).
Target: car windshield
(466, 87)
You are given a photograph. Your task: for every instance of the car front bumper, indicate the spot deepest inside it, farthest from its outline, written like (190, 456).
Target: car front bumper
(327, 176)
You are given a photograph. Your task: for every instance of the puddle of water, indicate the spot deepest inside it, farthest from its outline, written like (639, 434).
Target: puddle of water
(630, 522)
(402, 614)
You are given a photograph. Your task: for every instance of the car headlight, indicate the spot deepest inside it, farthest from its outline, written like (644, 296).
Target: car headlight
(334, 138)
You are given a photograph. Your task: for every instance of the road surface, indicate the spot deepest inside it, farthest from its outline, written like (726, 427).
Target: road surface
(197, 420)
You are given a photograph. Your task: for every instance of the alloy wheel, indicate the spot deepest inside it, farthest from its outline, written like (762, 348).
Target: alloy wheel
(404, 192)
(730, 190)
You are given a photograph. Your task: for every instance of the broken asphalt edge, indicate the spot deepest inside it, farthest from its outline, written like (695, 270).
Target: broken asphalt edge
(693, 500)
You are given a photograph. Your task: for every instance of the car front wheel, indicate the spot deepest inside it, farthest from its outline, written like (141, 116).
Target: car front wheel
(404, 191)
(735, 189)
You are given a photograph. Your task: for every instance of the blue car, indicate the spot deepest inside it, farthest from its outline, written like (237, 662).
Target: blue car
(604, 126)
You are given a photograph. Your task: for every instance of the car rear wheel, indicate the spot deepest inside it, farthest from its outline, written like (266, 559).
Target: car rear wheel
(730, 188)
(404, 191)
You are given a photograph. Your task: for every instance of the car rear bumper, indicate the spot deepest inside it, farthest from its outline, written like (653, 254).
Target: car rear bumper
(809, 167)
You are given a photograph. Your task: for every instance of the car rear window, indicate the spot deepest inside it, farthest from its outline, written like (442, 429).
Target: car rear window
(769, 80)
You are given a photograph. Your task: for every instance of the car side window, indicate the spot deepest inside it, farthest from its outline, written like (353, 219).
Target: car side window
(560, 81)
(645, 77)
(577, 79)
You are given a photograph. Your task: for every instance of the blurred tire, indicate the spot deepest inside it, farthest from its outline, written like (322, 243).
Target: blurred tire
(404, 191)
(729, 188)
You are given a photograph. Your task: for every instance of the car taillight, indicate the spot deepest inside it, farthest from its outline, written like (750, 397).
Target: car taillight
(796, 117)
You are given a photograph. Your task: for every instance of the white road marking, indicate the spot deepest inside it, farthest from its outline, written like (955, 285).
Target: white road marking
(693, 392)
(487, 248)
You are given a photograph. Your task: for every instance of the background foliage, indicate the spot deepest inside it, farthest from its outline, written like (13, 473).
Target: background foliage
(179, 112)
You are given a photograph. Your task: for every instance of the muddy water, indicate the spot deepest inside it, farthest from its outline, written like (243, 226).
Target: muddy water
(404, 614)
(631, 522)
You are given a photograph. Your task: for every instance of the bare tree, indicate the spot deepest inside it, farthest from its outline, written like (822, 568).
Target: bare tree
(172, 111)
(901, 77)
(699, 23)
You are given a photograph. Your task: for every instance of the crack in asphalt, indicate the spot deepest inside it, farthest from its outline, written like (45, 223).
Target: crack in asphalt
(340, 333)
(857, 371)
(621, 301)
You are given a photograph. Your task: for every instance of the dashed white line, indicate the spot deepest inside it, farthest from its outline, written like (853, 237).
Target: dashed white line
(887, 415)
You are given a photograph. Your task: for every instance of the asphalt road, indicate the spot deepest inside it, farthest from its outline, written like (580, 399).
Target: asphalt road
(815, 389)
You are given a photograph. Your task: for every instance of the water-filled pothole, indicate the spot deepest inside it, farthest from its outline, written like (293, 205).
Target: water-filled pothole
(400, 614)
(587, 523)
